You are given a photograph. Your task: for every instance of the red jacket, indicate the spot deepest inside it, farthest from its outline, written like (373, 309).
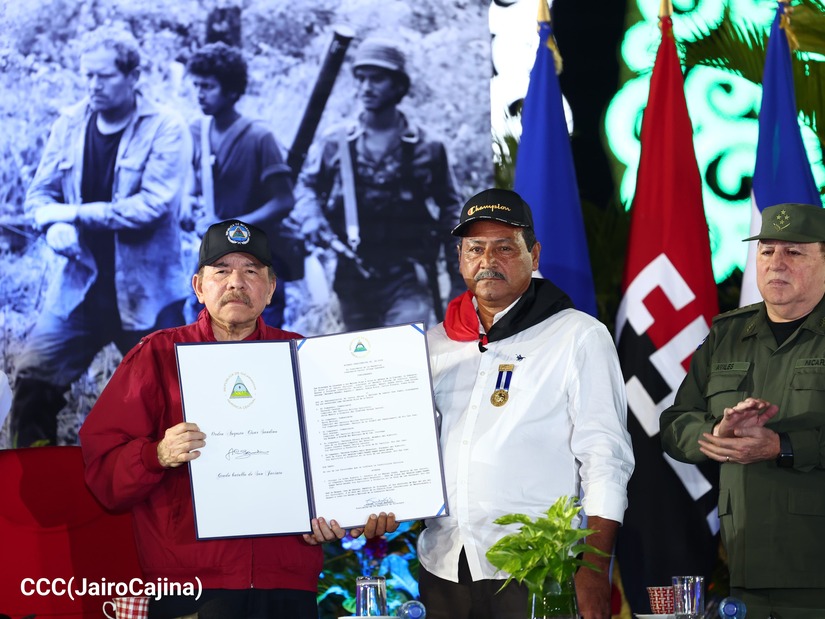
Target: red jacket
(119, 440)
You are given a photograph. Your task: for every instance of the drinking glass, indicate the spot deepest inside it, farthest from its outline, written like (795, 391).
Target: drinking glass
(370, 596)
(688, 597)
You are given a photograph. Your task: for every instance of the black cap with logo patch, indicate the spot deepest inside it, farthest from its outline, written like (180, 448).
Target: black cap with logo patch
(495, 205)
(232, 236)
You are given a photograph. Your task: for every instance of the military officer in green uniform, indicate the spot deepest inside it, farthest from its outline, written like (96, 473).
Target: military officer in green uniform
(754, 401)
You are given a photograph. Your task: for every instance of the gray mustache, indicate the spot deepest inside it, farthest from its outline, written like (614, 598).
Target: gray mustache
(237, 296)
(488, 274)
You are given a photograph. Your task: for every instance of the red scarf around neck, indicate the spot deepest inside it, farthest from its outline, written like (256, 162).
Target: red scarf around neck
(461, 319)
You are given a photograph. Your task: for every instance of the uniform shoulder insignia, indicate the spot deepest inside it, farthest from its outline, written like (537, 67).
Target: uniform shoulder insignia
(739, 311)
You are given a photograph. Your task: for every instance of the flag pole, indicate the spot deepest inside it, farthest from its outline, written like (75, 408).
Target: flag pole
(543, 17)
(785, 24)
(544, 12)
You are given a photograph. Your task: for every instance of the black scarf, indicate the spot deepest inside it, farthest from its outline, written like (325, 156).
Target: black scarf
(541, 300)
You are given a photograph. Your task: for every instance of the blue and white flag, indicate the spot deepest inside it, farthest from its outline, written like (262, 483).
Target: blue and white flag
(782, 172)
(546, 179)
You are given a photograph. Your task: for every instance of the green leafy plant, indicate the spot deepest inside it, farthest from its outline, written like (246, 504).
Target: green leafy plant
(546, 547)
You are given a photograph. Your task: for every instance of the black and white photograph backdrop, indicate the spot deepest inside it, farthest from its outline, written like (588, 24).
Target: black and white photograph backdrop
(289, 47)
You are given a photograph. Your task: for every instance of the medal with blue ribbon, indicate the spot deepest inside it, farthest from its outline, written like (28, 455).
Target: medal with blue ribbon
(502, 392)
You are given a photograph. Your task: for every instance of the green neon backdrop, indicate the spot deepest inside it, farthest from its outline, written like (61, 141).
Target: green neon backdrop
(723, 108)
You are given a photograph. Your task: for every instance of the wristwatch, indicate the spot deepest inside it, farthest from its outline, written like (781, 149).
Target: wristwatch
(785, 458)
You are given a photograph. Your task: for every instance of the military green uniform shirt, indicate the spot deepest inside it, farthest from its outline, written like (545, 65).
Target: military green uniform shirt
(773, 519)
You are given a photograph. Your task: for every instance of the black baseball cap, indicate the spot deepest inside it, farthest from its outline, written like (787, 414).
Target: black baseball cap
(232, 236)
(496, 205)
(795, 223)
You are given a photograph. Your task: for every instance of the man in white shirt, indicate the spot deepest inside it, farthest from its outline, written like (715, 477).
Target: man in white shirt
(532, 407)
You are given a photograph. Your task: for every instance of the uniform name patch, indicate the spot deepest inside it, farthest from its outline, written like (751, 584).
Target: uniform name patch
(732, 366)
(808, 363)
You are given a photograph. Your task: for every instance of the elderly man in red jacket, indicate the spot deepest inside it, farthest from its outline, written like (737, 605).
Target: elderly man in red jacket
(136, 445)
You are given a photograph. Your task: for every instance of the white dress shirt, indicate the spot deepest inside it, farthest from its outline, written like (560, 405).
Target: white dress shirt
(562, 431)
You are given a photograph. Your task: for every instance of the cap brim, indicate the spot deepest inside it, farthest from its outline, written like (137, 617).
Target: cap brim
(213, 259)
(791, 238)
(380, 65)
(457, 231)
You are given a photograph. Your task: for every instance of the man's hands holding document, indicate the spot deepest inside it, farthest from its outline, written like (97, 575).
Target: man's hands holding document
(377, 525)
(180, 444)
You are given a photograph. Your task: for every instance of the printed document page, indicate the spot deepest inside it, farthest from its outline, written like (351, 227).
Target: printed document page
(250, 477)
(370, 425)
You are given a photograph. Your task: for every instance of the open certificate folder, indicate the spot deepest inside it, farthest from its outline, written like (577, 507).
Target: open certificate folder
(339, 426)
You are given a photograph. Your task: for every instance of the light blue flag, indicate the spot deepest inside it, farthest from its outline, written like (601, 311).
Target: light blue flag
(782, 172)
(546, 179)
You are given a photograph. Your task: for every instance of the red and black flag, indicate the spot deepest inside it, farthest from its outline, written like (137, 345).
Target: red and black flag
(669, 299)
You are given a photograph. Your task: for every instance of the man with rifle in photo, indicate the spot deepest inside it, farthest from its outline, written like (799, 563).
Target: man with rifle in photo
(381, 193)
